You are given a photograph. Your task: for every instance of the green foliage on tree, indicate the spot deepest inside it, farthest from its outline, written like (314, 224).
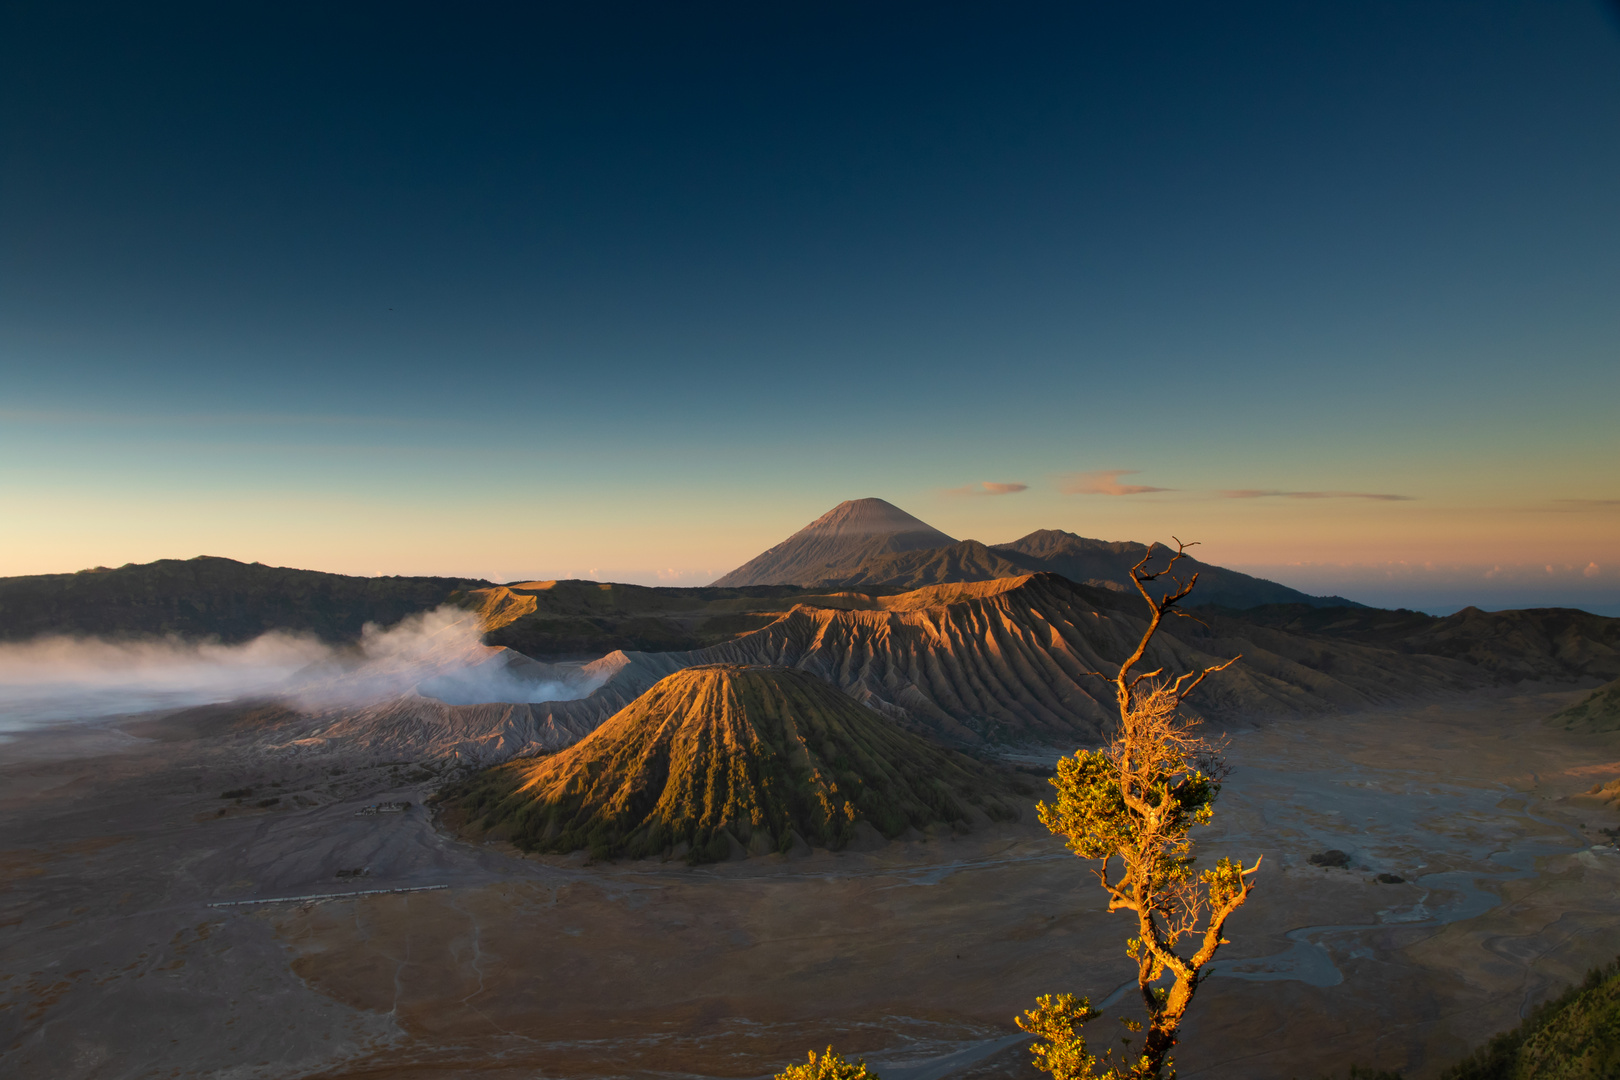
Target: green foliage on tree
(1059, 1047)
(1129, 806)
(828, 1066)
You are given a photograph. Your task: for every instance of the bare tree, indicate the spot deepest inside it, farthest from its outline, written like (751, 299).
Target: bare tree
(1129, 806)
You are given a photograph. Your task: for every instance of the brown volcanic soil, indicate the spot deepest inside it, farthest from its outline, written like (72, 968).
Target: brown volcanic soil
(114, 967)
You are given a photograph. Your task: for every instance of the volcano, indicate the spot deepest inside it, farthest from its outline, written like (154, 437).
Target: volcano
(723, 758)
(836, 544)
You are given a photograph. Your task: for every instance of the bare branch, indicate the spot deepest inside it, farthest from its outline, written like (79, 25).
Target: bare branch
(1181, 695)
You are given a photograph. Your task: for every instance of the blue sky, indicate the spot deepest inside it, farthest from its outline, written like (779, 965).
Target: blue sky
(635, 290)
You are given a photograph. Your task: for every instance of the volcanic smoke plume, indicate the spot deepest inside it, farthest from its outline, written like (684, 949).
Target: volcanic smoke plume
(61, 679)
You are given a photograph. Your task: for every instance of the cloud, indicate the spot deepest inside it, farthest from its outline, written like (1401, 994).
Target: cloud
(989, 487)
(1583, 503)
(439, 653)
(1104, 482)
(1256, 493)
(1592, 570)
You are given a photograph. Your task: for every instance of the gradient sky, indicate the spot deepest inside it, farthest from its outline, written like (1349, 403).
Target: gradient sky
(633, 291)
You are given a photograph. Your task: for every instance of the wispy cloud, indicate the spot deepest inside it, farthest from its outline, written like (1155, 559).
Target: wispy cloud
(989, 487)
(1587, 503)
(1103, 482)
(1256, 493)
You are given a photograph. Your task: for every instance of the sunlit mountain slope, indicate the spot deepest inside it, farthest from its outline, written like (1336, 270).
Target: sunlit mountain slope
(719, 759)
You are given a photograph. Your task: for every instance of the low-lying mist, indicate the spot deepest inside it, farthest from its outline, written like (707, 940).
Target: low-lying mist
(437, 653)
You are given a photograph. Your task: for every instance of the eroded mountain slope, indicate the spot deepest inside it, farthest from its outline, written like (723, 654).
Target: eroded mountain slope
(719, 759)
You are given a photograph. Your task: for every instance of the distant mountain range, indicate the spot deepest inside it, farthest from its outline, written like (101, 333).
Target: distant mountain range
(210, 597)
(864, 545)
(874, 546)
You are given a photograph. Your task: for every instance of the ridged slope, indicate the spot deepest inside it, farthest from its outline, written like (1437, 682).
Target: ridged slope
(836, 544)
(721, 756)
(1013, 660)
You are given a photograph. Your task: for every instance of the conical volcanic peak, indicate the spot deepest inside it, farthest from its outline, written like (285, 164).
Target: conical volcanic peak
(867, 517)
(717, 759)
(836, 544)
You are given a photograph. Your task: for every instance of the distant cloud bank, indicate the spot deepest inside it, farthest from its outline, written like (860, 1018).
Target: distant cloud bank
(989, 487)
(1441, 588)
(1256, 493)
(1104, 482)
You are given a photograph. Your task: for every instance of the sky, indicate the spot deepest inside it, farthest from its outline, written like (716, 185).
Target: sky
(634, 291)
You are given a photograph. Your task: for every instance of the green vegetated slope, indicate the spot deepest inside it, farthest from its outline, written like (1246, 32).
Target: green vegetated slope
(1574, 1037)
(1598, 711)
(209, 597)
(724, 758)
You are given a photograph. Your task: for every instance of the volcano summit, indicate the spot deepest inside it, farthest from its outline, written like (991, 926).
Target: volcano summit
(836, 544)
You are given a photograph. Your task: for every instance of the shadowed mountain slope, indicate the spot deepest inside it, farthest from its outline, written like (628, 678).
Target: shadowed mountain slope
(1107, 564)
(718, 759)
(1555, 644)
(213, 597)
(590, 618)
(1097, 563)
(967, 560)
(836, 544)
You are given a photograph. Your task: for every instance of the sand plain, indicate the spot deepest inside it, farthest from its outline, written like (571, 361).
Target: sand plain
(915, 955)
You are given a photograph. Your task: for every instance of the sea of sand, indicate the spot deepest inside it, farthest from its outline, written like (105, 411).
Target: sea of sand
(115, 845)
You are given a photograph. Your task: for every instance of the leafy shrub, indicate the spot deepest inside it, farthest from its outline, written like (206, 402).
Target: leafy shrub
(828, 1066)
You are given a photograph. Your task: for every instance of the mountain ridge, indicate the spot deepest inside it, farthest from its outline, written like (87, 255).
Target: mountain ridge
(214, 597)
(870, 544)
